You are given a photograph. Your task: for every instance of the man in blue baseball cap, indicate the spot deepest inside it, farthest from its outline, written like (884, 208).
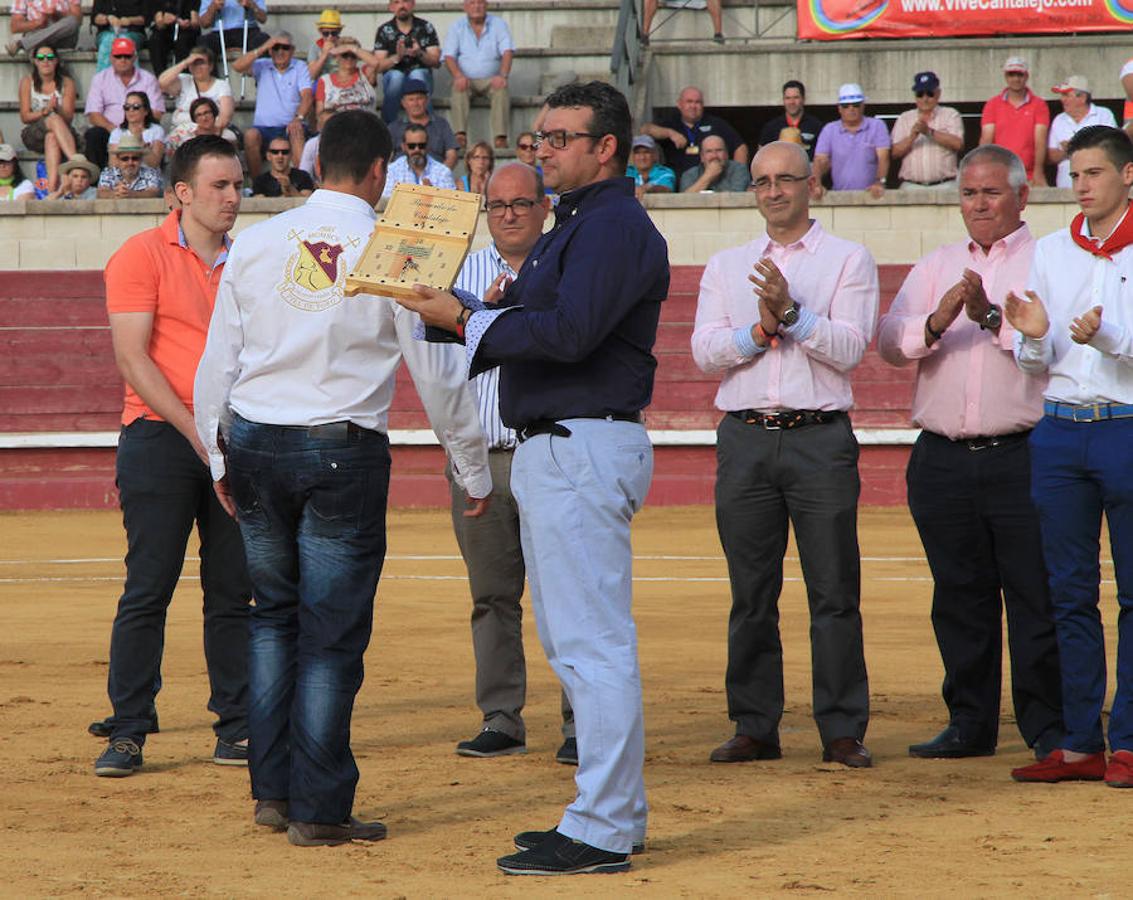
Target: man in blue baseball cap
(928, 138)
(415, 111)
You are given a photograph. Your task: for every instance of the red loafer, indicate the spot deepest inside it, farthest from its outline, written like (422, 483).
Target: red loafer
(1119, 772)
(1055, 767)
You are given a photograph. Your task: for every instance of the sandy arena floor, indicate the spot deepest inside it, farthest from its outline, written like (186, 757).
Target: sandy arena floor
(796, 826)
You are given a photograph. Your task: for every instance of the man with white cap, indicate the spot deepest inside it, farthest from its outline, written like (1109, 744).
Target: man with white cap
(1018, 120)
(855, 149)
(928, 138)
(1078, 111)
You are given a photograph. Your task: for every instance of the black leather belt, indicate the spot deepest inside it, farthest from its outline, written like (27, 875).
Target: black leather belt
(336, 431)
(786, 419)
(985, 442)
(550, 426)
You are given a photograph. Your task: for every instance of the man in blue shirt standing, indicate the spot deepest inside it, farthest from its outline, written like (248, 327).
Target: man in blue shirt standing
(573, 337)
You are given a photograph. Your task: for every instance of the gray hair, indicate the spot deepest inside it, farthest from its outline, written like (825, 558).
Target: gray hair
(994, 154)
(535, 174)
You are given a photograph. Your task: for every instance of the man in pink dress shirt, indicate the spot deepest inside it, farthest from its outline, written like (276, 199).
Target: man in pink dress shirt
(785, 319)
(969, 472)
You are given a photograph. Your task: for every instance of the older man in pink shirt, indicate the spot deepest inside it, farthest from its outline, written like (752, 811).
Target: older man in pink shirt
(785, 319)
(969, 473)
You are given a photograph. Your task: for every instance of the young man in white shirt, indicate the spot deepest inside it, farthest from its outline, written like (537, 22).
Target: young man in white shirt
(1077, 325)
(297, 380)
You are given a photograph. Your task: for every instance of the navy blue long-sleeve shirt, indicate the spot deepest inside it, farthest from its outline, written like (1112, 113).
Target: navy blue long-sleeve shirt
(577, 339)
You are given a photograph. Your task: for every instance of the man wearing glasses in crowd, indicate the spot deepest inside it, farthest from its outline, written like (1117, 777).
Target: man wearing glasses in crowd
(415, 165)
(854, 150)
(283, 98)
(282, 179)
(517, 207)
(229, 16)
(573, 338)
(128, 178)
(108, 90)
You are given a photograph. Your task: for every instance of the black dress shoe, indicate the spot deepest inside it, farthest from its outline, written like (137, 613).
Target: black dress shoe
(950, 744)
(742, 748)
(849, 752)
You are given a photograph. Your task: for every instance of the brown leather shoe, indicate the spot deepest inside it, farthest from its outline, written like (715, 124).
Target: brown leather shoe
(849, 752)
(317, 834)
(742, 748)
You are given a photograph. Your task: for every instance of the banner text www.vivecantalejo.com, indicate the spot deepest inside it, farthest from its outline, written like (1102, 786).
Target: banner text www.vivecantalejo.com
(975, 6)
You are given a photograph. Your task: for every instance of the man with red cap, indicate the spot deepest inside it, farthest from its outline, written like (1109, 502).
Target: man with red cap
(108, 90)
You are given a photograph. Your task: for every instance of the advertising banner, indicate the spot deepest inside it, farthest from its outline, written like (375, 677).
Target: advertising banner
(832, 20)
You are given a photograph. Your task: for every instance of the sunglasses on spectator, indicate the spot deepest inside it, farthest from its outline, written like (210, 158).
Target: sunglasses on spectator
(850, 105)
(129, 157)
(925, 93)
(277, 152)
(524, 146)
(133, 107)
(123, 55)
(330, 32)
(347, 56)
(281, 47)
(45, 56)
(521, 207)
(415, 146)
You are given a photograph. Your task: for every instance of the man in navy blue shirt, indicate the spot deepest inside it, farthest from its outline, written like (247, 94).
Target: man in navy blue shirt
(573, 337)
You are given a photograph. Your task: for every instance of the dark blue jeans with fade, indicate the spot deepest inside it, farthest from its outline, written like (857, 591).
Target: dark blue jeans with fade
(312, 506)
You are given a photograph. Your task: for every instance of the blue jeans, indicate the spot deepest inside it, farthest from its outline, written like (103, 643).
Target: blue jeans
(164, 489)
(392, 83)
(312, 508)
(1079, 471)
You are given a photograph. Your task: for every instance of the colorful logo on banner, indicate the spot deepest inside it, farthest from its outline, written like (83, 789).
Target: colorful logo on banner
(1123, 12)
(844, 16)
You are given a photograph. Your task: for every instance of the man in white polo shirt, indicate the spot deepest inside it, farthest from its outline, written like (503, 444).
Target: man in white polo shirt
(1077, 325)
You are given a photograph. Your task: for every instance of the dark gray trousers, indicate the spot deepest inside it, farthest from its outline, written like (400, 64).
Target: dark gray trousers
(807, 477)
(493, 555)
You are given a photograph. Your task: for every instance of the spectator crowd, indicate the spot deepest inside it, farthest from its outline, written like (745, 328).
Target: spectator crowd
(196, 47)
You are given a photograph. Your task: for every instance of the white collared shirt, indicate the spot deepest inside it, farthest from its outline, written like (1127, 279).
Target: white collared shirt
(1063, 128)
(287, 347)
(1070, 281)
(833, 280)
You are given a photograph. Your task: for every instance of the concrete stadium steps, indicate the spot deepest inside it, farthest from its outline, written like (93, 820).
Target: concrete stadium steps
(57, 375)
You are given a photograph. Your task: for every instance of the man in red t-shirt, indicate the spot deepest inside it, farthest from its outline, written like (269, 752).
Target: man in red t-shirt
(160, 290)
(1018, 120)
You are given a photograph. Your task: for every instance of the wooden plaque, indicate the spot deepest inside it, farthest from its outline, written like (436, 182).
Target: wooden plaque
(422, 239)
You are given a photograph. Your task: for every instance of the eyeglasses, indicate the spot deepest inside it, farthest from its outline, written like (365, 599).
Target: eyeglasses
(521, 207)
(123, 55)
(282, 48)
(922, 94)
(524, 146)
(765, 183)
(133, 107)
(848, 105)
(559, 137)
(415, 146)
(347, 56)
(45, 56)
(278, 152)
(129, 157)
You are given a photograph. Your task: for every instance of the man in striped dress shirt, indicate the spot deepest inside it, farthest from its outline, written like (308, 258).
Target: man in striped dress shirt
(517, 208)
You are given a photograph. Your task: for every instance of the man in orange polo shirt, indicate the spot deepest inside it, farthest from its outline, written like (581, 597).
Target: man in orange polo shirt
(1019, 120)
(160, 290)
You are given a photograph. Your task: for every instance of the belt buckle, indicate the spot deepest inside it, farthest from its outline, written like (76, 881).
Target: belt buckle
(1088, 414)
(771, 423)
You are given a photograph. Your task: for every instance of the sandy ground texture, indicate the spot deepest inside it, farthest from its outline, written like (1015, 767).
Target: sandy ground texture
(796, 826)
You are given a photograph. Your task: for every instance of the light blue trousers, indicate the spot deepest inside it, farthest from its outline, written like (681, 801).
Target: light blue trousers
(576, 497)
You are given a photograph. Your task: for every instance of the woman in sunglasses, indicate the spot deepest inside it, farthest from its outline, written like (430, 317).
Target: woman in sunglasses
(479, 161)
(192, 78)
(47, 106)
(117, 19)
(140, 121)
(348, 86)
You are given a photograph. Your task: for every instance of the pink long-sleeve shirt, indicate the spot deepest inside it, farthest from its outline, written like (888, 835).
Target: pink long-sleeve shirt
(832, 278)
(967, 383)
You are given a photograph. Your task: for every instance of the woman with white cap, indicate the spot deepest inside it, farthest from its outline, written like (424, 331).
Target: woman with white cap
(14, 184)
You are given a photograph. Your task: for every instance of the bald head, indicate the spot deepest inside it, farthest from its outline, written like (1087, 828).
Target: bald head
(780, 153)
(519, 173)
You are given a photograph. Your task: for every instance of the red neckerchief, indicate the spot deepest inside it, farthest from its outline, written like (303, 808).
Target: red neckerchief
(794, 124)
(1119, 238)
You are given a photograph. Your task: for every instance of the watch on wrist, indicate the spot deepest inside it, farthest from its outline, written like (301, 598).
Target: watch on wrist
(992, 319)
(791, 315)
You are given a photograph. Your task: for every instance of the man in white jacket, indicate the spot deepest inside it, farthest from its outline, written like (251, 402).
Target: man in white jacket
(296, 380)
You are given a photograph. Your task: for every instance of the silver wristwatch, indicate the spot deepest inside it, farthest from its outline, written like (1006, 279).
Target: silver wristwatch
(791, 316)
